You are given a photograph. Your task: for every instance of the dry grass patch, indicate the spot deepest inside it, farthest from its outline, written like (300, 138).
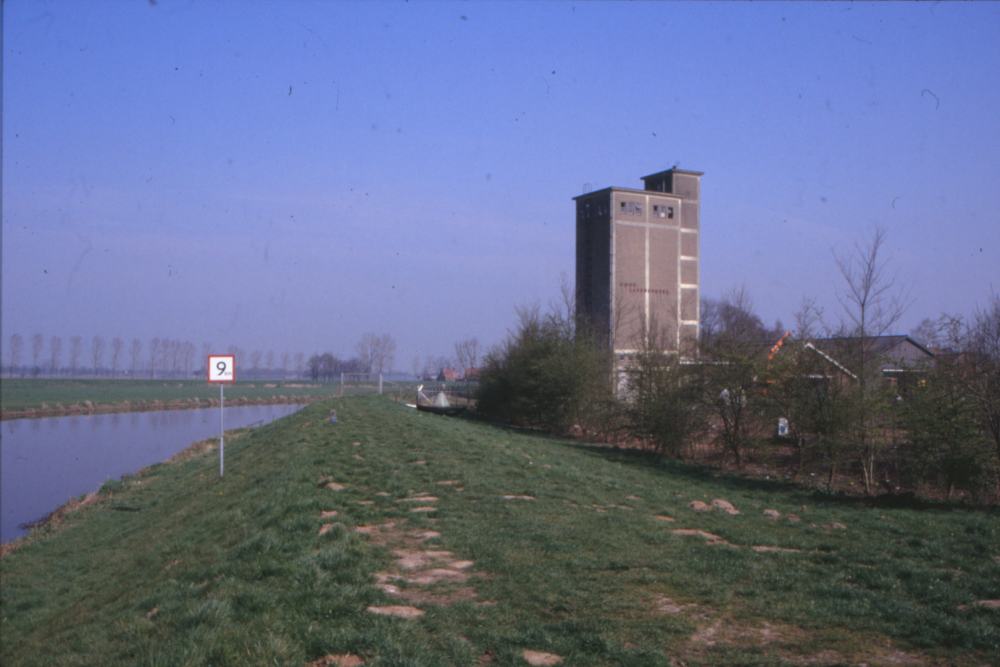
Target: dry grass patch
(195, 450)
(400, 611)
(419, 575)
(345, 660)
(541, 659)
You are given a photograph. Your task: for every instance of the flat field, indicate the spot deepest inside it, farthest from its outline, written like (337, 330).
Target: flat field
(17, 395)
(460, 542)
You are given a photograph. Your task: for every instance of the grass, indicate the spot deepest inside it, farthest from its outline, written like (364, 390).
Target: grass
(34, 394)
(178, 567)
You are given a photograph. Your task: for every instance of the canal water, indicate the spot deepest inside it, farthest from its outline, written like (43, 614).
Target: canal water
(45, 462)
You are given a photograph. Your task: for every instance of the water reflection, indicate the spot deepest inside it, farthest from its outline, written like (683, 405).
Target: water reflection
(44, 462)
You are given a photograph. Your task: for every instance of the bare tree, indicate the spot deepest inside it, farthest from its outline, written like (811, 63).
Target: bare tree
(467, 353)
(732, 348)
(239, 356)
(37, 343)
(176, 347)
(284, 364)
(299, 363)
(75, 350)
(731, 320)
(255, 361)
(377, 353)
(384, 354)
(164, 351)
(315, 366)
(269, 360)
(364, 349)
(926, 333)
(97, 346)
(563, 307)
(117, 344)
(441, 363)
(808, 319)
(187, 356)
(16, 345)
(134, 352)
(55, 349)
(873, 302)
(154, 351)
(165, 346)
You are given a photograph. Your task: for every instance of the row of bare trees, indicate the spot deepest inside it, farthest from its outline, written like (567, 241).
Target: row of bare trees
(165, 357)
(98, 347)
(372, 354)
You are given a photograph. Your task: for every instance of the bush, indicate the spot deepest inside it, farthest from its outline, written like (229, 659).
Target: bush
(662, 408)
(941, 426)
(548, 373)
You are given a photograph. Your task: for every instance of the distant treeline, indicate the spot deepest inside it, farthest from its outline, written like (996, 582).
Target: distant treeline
(176, 359)
(156, 358)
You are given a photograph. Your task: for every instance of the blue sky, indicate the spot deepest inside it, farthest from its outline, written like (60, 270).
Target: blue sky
(291, 175)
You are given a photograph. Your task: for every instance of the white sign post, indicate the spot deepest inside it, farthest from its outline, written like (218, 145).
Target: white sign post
(221, 369)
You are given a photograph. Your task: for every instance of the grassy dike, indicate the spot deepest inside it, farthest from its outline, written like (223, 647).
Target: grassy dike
(178, 567)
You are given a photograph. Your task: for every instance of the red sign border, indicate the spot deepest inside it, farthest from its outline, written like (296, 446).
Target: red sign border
(208, 367)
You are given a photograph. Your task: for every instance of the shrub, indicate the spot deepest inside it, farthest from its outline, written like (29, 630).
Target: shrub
(548, 373)
(662, 408)
(941, 426)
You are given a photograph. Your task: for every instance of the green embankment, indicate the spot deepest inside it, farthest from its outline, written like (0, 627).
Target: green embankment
(18, 395)
(178, 567)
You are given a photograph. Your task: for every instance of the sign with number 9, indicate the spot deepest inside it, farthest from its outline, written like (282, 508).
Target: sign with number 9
(222, 368)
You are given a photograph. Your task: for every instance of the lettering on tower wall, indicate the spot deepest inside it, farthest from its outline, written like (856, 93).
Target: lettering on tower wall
(633, 288)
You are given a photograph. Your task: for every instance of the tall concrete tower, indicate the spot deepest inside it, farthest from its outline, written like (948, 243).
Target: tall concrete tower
(637, 261)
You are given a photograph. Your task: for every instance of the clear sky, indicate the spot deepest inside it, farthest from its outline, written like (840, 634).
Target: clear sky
(290, 175)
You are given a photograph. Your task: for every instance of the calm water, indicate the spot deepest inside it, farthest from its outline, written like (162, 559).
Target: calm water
(44, 462)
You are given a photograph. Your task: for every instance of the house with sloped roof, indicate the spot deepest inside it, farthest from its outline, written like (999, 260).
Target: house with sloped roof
(899, 359)
(893, 354)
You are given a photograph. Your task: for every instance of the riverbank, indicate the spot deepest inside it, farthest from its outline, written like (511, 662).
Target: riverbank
(153, 406)
(47, 524)
(400, 537)
(44, 462)
(29, 398)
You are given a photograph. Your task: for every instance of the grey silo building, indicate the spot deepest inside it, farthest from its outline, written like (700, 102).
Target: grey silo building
(637, 261)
